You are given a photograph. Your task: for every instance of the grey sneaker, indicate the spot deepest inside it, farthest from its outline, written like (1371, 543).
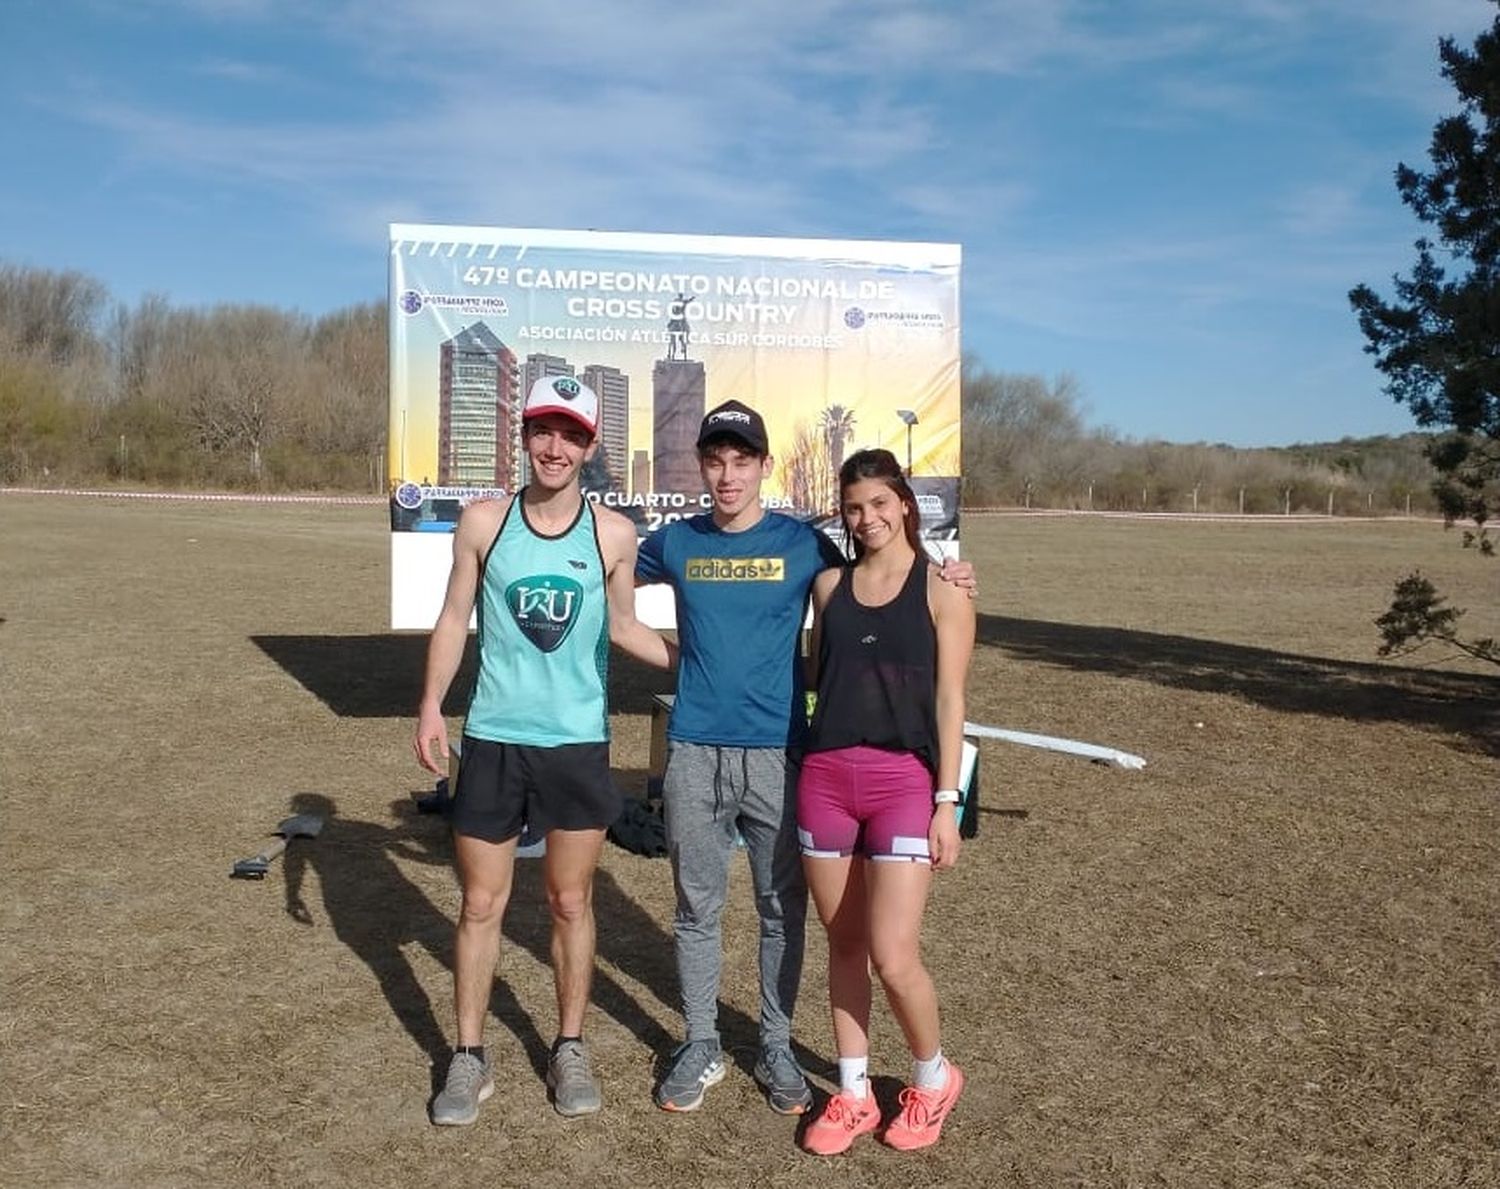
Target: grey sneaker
(469, 1084)
(575, 1091)
(781, 1078)
(696, 1065)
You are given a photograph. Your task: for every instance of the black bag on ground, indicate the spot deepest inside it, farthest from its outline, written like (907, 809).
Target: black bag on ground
(640, 830)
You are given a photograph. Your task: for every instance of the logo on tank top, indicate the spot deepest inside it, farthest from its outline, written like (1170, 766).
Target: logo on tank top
(545, 607)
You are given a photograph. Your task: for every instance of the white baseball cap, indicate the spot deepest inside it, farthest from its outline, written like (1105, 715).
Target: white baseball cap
(565, 395)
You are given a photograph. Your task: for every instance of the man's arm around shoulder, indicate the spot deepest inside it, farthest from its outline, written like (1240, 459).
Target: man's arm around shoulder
(961, 574)
(617, 543)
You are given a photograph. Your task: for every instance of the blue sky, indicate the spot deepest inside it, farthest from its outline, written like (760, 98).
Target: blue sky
(1168, 199)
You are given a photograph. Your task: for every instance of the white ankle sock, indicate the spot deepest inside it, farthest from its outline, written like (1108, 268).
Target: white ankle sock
(931, 1074)
(854, 1075)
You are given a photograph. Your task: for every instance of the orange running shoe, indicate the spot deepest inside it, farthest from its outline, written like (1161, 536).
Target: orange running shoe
(920, 1120)
(844, 1119)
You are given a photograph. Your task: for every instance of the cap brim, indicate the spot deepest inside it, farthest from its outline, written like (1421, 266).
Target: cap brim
(561, 411)
(720, 435)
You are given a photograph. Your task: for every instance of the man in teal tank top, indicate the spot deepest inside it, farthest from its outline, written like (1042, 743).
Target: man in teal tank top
(552, 579)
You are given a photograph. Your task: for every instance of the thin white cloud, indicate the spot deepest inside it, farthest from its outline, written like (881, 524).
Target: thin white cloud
(1318, 209)
(1189, 98)
(215, 10)
(260, 73)
(965, 206)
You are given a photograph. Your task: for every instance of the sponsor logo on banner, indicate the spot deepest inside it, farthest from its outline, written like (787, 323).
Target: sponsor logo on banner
(856, 318)
(413, 302)
(545, 607)
(736, 569)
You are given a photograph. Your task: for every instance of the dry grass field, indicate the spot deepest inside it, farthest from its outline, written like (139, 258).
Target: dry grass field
(1268, 959)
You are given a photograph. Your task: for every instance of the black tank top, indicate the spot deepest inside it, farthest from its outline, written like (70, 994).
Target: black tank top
(877, 672)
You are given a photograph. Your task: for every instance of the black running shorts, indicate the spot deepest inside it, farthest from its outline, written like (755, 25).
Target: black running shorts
(504, 787)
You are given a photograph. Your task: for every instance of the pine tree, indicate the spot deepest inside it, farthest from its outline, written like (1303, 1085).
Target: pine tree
(1438, 342)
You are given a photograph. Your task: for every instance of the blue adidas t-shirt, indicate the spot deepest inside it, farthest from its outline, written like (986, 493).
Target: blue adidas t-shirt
(741, 601)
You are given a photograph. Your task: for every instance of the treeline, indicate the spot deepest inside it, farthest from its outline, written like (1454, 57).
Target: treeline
(249, 397)
(233, 396)
(1025, 444)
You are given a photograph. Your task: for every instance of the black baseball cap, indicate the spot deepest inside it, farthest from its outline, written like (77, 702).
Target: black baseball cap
(737, 420)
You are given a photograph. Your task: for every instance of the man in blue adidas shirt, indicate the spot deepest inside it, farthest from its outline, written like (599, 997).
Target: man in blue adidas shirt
(740, 576)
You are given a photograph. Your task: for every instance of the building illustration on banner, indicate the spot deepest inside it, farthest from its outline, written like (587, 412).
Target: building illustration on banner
(476, 409)
(612, 386)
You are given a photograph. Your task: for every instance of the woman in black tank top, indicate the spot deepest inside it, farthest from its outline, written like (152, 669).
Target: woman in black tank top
(877, 800)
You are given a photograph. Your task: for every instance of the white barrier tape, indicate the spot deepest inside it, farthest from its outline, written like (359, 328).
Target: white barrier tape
(198, 496)
(1206, 517)
(1092, 751)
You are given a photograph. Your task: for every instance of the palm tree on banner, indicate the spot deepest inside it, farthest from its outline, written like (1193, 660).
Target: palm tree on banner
(837, 424)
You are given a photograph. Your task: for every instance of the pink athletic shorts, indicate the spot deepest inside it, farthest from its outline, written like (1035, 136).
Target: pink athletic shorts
(866, 801)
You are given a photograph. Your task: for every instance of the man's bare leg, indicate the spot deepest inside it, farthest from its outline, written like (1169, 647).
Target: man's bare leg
(485, 869)
(572, 856)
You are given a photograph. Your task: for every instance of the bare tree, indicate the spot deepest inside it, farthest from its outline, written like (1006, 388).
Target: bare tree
(239, 385)
(344, 396)
(50, 315)
(810, 482)
(138, 340)
(1016, 430)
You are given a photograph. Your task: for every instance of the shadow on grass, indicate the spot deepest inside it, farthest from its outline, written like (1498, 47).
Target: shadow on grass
(376, 911)
(381, 676)
(1466, 704)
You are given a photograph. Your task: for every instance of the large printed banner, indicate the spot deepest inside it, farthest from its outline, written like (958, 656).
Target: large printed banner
(839, 344)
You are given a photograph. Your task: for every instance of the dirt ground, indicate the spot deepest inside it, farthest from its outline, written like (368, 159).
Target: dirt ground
(1268, 959)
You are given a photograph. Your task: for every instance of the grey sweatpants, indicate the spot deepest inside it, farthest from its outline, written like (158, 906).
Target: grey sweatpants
(709, 792)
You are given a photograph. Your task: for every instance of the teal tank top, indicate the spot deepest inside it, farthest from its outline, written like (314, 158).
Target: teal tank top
(543, 636)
